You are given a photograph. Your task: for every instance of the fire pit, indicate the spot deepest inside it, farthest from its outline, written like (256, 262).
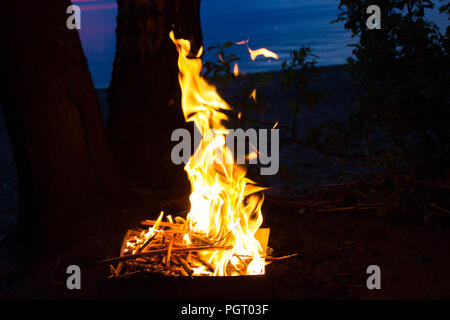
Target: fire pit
(220, 236)
(162, 249)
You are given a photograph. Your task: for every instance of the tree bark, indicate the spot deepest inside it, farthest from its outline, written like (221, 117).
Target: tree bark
(144, 94)
(66, 175)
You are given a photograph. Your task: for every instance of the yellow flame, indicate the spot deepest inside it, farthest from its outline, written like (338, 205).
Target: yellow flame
(258, 52)
(262, 52)
(252, 155)
(236, 70)
(225, 205)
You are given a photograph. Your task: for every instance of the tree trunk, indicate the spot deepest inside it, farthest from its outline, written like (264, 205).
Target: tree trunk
(65, 171)
(144, 94)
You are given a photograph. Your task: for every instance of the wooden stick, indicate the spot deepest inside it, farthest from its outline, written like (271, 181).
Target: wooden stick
(139, 264)
(169, 251)
(175, 260)
(188, 258)
(183, 272)
(155, 246)
(112, 270)
(281, 258)
(124, 275)
(197, 238)
(435, 206)
(163, 251)
(271, 258)
(155, 232)
(147, 242)
(118, 269)
(162, 224)
(174, 231)
(203, 262)
(185, 265)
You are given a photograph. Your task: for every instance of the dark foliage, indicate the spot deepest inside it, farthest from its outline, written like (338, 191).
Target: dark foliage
(249, 98)
(403, 68)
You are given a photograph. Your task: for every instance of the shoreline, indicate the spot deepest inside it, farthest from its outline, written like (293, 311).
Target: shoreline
(105, 87)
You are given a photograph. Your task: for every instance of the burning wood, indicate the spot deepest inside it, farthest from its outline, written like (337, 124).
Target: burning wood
(161, 249)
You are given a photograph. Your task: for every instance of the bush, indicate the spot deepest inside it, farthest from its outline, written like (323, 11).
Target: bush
(404, 68)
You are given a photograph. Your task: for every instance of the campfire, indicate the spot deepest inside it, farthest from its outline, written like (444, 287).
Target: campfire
(221, 234)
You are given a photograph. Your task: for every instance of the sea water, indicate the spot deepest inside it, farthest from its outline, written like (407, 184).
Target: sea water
(279, 25)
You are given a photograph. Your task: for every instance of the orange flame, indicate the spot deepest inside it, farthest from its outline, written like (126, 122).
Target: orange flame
(258, 52)
(225, 205)
(242, 42)
(236, 70)
(262, 52)
(253, 95)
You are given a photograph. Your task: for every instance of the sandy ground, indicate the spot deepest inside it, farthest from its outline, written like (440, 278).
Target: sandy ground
(334, 249)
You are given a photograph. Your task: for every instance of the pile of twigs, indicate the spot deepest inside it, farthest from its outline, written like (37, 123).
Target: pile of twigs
(162, 249)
